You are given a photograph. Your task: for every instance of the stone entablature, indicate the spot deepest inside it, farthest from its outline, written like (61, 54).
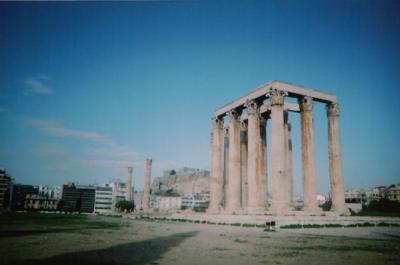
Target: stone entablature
(239, 168)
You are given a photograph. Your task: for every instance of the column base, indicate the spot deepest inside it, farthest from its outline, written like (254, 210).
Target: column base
(255, 210)
(312, 210)
(343, 212)
(280, 209)
(213, 210)
(233, 211)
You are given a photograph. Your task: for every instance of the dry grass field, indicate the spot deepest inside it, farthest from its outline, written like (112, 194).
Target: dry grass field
(80, 239)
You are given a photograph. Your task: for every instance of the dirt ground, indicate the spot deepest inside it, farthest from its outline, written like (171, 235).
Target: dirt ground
(111, 240)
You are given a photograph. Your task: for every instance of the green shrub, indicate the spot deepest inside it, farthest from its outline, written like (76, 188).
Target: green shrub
(123, 206)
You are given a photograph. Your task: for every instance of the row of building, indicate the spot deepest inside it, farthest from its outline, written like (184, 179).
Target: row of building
(89, 199)
(391, 193)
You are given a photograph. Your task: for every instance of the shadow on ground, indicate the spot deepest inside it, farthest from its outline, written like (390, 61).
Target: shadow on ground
(144, 252)
(28, 232)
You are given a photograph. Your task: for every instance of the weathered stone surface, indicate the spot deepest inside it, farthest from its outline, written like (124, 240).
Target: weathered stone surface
(308, 159)
(245, 180)
(234, 184)
(254, 164)
(147, 182)
(128, 193)
(335, 160)
(216, 169)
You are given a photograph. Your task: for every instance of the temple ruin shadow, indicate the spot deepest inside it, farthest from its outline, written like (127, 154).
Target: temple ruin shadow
(137, 253)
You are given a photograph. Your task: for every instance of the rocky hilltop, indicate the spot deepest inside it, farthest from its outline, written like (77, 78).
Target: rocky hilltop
(182, 181)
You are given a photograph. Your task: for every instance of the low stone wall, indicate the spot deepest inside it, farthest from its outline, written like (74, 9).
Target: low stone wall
(283, 221)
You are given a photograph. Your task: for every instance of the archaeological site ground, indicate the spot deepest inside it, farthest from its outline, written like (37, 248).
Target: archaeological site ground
(81, 239)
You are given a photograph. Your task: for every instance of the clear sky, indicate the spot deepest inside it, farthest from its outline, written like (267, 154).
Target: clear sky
(87, 89)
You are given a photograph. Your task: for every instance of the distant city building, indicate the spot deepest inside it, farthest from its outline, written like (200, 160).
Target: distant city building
(355, 196)
(196, 200)
(321, 199)
(138, 196)
(393, 193)
(165, 203)
(39, 202)
(119, 192)
(5, 188)
(50, 192)
(103, 199)
(19, 193)
(78, 198)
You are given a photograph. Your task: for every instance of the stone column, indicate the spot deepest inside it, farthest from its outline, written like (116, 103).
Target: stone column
(147, 182)
(128, 192)
(254, 166)
(288, 157)
(335, 160)
(226, 167)
(307, 154)
(243, 161)
(234, 183)
(262, 181)
(280, 204)
(216, 169)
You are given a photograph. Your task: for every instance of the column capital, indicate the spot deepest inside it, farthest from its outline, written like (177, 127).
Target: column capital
(217, 122)
(252, 107)
(233, 114)
(243, 126)
(276, 96)
(332, 109)
(306, 103)
(226, 131)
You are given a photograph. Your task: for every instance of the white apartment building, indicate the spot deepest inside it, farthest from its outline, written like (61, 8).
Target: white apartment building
(103, 199)
(393, 193)
(195, 200)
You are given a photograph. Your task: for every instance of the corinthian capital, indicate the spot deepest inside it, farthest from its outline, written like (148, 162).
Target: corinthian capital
(332, 109)
(243, 126)
(252, 107)
(233, 114)
(306, 103)
(217, 122)
(276, 96)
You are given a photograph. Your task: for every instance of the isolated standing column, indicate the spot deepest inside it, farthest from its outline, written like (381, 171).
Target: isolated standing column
(147, 182)
(128, 193)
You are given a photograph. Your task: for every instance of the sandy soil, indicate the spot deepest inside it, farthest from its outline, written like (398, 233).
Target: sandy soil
(143, 242)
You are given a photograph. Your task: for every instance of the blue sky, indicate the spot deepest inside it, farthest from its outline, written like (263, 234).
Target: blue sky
(90, 88)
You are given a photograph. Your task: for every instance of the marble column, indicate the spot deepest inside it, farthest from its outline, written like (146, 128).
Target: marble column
(262, 181)
(225, 167)
(308, 157)
(128, 192)
(335, 160)
(254, 165)
(243, 162)
(216, 167)
(234, 183)
(280, 204)
(147, 182)
(288, 157)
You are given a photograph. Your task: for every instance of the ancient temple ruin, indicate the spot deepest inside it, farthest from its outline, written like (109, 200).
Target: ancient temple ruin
(239, 168)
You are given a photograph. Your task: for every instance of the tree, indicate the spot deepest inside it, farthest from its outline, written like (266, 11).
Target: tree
(123, 206)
